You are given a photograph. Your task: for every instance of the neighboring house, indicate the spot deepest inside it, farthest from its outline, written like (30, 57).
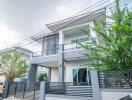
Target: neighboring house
(28, 56)
(61, 53)
(2, 76)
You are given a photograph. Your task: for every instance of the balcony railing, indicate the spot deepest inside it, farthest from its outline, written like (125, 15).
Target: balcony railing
(74, 46)
(67, 47)
(37, 54)
(50, 50)
(44, 53)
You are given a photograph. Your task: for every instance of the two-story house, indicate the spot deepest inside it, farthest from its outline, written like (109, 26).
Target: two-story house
(61, 52)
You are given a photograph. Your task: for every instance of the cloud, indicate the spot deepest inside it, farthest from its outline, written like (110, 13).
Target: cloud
(20, 19)
(7, 37)
(24, 15)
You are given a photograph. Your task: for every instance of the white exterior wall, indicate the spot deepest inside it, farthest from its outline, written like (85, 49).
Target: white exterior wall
(114, 95)
(2, 78)
(69, 68)
(78, 34)
(54, 74)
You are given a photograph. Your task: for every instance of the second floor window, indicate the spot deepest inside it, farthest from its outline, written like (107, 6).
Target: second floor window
(51, 44)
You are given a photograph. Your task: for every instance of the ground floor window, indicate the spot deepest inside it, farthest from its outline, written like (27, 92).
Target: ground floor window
(81, 76)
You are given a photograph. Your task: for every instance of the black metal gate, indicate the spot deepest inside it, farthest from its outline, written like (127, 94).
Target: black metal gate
(24, 90)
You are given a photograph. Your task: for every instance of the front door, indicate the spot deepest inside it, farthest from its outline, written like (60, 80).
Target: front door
(81, 76)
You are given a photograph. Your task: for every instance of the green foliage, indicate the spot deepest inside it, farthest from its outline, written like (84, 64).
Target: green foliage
(42, 77)
(112, 51)
(14, 65)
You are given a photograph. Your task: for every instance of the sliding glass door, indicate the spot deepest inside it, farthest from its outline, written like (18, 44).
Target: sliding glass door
(81, 76)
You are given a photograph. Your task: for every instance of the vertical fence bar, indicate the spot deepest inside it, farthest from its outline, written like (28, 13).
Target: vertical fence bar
(34, 87)
(95, 85)
(15, 89)
(8, 89)
(24, 89)
(64, 88)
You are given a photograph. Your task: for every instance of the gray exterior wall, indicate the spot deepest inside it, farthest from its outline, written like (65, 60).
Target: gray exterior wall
(32, 73)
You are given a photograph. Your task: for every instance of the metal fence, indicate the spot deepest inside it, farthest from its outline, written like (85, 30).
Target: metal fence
(114, 80)
(30, 91)
(69, 88)
(24, 90)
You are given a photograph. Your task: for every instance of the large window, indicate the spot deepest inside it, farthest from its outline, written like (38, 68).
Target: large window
(51, 44)
(81, 76)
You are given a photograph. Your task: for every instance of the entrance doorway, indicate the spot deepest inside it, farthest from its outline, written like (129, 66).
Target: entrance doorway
(81, 76)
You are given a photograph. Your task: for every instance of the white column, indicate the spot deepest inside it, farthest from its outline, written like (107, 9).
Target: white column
(61, 37)
(92, 32)
(49, 74)
(61, 57)
(95, 85)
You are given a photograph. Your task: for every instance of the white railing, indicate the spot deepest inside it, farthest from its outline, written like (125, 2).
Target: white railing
(70, 46)
(44, 53)
(74, 46)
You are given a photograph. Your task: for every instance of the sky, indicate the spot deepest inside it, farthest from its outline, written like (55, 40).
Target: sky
(20, 19)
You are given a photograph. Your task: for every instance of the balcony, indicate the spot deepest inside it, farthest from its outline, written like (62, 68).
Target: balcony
(75, 51)
(55, 49)
(51, 50)
(76, 45)
(44, 58)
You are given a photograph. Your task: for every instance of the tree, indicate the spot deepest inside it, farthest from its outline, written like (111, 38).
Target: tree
(14, 65)
(42, 77)
(112, 51)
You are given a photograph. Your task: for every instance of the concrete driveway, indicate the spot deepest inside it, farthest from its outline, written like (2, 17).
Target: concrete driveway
(51, 97)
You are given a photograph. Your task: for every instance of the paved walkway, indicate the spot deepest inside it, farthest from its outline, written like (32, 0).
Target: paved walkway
(47, 98)
(29, 96)
(12, 98)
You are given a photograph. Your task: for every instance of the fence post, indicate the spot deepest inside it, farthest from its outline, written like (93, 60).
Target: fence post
(42, 90)
(95, 85)
(5, 92)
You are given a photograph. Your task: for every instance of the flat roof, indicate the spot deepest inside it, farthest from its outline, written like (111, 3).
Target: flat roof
(58, 25)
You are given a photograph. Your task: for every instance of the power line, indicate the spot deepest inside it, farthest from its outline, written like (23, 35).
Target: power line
(81, 17)
(56, 30)
(71, 23)
(76, 16)
(90, 8)
(98, 4)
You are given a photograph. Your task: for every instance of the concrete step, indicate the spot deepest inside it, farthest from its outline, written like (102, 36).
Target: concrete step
(68, 97)
(83, 91)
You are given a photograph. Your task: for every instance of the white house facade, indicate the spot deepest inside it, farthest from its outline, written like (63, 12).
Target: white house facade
(61, 51)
